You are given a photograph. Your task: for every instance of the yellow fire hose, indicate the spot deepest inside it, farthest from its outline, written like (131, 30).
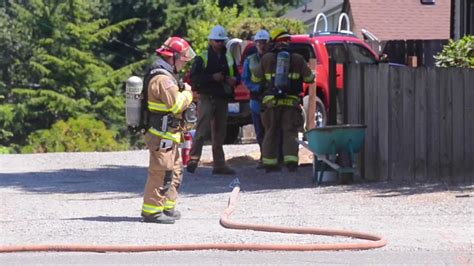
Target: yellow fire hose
(374, 240)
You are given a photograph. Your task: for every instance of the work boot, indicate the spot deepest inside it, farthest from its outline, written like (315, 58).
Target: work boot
(175, 214)
(192, 165)
(292, 167)
(159, 217)
(272, 168)
(223, 170)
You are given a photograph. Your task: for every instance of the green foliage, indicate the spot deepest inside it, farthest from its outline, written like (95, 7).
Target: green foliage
(16, 47)
(4, 150)
(6, 122)
(158, 20)
(67, 75)
(80, 134)
(207, 15)
(458, 53)
(241, 23)
(247, 27)
(64, 59)
(266, 8)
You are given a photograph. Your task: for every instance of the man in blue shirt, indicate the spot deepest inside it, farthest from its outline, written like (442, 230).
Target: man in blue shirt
(261, 40)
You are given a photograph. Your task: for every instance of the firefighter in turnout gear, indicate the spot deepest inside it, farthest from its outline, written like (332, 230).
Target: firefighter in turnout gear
(214, 75)
(166, 102)
(283, 74)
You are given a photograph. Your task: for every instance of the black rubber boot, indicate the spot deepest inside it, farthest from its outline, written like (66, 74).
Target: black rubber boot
(159, 217)
(175, 214)
(292, 167)
(223, 170)
(272, 168)
(192, 165)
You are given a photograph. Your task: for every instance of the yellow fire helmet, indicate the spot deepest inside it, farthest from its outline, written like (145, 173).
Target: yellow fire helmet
(279, 33)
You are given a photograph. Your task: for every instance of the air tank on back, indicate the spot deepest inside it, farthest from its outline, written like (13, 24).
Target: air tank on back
(281, 74)
(133, 103)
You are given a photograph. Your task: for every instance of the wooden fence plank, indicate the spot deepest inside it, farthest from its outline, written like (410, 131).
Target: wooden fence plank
(420, 124)
(375, 124)
(446, 125)
(383, 105)
(361, 118)
(369, 163)
(396, 124)
(469, 124)
(353, 86)
(458, 87)
(408, 123)
(433, 125)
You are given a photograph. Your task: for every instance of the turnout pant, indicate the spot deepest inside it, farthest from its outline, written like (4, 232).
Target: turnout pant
(281, 124)
(164, 177)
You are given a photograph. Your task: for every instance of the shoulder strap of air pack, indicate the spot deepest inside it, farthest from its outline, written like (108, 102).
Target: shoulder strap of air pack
(154, 70)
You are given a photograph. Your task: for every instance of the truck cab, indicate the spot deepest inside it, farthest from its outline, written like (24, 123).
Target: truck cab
(340, 47)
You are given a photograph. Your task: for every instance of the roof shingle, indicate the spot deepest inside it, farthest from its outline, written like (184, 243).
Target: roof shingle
(402, 19)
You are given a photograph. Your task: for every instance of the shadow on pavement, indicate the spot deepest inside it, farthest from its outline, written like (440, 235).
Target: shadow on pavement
(131, 179)
(108, 179)
(107, 219)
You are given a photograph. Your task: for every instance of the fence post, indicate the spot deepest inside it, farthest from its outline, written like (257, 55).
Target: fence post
(310, 120)
(332, 117)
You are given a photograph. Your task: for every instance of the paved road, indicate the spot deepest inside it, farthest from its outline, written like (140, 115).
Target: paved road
(95, 198)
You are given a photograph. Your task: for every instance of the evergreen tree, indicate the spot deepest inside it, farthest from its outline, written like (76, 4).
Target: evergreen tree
(65, 77)
(62, 59)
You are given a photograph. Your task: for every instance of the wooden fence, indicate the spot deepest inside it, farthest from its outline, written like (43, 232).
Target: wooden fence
(420, 121)
(424, 50)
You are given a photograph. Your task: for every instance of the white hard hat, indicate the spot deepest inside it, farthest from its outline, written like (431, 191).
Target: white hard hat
(218, 33)
(232, 42)
(262, 35)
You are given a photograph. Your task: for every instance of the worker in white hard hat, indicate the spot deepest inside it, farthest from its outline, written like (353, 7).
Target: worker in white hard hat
(251, 63)
(214, 75)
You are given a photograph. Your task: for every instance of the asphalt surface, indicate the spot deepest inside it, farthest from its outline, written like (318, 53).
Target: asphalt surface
(95, 199)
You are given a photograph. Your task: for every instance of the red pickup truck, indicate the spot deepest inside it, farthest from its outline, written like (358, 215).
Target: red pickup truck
(341, 46)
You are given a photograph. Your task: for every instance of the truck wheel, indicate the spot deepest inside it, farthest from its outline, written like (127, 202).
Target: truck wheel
(232, 134)
(320, 116)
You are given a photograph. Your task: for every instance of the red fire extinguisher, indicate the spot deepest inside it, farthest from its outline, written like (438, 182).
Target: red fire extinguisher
(186, 147)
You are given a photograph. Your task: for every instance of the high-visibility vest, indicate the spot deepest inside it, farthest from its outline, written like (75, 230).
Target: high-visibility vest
(228, 56)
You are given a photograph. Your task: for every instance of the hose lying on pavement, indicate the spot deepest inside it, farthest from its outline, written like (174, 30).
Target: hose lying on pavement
(375, 241)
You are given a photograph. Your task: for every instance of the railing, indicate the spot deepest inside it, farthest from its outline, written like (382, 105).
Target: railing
(343, 17)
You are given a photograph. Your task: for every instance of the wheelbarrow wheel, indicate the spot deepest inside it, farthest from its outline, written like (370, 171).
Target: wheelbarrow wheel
(345, 161)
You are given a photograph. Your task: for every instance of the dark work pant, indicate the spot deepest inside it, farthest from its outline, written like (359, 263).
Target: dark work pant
(259, 130)
(212, 120)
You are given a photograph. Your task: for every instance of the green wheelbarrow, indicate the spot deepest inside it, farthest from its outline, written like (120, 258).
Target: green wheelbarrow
(334, 149)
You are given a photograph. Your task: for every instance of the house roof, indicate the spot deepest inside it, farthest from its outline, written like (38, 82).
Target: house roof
(401, 19)
(308, 12)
